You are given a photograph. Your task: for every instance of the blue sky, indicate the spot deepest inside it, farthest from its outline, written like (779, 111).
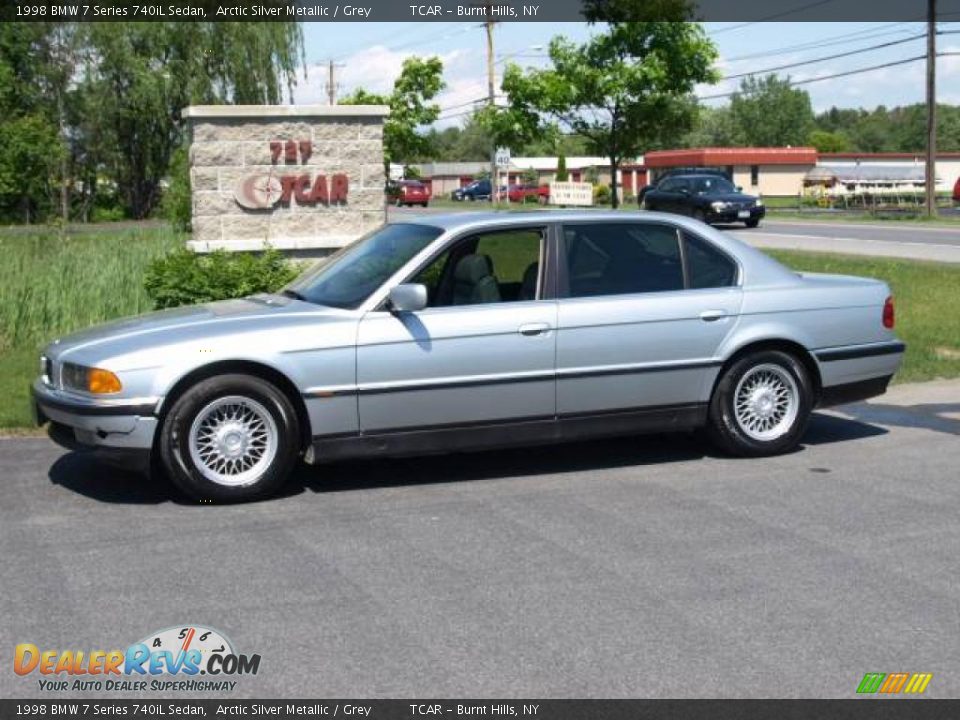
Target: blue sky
(371, 54)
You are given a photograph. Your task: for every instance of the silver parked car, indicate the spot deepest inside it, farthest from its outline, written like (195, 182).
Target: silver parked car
(469, 331)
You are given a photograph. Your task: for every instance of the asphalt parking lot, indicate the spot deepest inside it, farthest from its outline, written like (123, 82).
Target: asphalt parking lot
(623, 568)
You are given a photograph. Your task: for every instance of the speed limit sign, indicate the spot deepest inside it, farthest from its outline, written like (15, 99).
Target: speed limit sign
(502, 157)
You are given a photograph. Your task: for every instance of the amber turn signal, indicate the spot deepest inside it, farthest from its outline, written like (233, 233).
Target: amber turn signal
(101, 381)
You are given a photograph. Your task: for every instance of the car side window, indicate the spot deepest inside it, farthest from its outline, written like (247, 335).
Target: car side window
(707, 267)
(668, 185)
(622, 258)
(492, 267)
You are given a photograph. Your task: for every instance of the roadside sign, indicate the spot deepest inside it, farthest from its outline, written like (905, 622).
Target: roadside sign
(571, 193)
(502, 158)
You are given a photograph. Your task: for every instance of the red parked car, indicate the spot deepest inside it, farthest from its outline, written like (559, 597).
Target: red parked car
(519, 193)
(956, 191)
(408, 192)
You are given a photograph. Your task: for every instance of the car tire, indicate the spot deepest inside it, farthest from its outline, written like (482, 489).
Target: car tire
(698, 214)
(230, 438)
(761, 405)
(752, 223)
(424, 204)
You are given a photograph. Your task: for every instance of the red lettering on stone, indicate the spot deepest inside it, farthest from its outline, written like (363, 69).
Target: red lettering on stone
(290, 151)
(286, 183)
(306, 150)
(275, 147)
(301, 190)
(338, 188)
(319, 193)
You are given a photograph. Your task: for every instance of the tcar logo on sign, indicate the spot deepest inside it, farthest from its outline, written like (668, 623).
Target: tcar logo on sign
(893, 683)
(263, 191)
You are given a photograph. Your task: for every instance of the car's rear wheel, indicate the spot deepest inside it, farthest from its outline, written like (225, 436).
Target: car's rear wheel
(752, 223)
(230, 438)
(761, 405)
(698, 214)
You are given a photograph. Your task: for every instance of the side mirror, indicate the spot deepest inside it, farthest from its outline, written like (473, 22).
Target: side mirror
(739, 188)
(408, 297)
(684, 191)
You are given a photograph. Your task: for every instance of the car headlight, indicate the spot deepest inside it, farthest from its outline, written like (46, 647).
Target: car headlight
(759, 202)
(90, 379)
(719, 206)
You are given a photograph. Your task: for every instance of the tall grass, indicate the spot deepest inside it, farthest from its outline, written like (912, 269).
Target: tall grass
(51, 285)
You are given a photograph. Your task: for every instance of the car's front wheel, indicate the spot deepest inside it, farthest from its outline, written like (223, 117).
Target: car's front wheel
(761, 405)
(752, 223)
(230, 438)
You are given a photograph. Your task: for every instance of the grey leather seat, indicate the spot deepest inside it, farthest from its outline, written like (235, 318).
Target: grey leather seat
(473, 281)
(528, 288)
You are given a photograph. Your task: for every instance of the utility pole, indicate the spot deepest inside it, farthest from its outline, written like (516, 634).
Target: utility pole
(930, 175)
(332, 83)
(491, 101)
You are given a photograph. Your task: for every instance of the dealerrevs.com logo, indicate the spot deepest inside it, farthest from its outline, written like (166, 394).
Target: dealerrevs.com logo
(186, 658)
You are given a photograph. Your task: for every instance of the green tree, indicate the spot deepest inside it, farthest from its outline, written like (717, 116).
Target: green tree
(624, 90)
(562, 174)
(419, 82)
(767, 112)
(34, 153)
(713, 128)
(140, 76)
(829, 142)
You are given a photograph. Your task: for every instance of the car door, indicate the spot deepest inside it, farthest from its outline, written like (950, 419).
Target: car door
(642, 310)
(482, 351)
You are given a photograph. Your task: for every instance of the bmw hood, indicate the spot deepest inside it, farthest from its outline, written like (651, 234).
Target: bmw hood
(209, 318)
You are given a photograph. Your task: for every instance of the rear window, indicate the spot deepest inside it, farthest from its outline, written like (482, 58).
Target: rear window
(707, 267)
(620, 259)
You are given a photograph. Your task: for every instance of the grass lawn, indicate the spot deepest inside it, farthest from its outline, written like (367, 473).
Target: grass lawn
(51, 285)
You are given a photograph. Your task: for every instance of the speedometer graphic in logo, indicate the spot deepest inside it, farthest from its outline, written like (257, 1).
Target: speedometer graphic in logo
(258, 192)
(182, 639)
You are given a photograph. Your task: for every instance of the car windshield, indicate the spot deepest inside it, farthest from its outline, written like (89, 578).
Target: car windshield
(710, 185)
(351, 275)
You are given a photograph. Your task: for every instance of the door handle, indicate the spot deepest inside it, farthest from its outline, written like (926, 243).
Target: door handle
(712, 315)
(532, 329)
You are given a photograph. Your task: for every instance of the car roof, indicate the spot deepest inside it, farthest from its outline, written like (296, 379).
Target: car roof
(711, 176)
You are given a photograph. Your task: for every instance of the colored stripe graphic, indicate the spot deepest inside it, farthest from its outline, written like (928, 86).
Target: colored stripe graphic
(918, 683)
(871, 682)
(893, 683)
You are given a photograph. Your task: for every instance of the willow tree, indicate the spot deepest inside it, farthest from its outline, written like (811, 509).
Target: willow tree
(138, 78)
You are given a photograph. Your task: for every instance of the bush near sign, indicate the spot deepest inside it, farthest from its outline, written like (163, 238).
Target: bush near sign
(571, 193)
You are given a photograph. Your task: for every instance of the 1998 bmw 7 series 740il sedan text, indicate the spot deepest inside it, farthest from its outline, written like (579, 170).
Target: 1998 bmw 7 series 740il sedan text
(468, 331)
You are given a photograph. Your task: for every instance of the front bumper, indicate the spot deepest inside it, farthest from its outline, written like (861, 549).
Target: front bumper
(126, 424)
(733, 215)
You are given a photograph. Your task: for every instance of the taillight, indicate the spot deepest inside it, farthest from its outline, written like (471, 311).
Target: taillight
(888, 314)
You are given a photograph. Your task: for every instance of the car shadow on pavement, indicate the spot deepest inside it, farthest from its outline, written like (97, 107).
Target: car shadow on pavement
(90, 475)
(939, 417)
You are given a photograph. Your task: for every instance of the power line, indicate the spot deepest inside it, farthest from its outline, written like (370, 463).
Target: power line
(868, 34)
(775, 16)
(824, 59)
(858, 71)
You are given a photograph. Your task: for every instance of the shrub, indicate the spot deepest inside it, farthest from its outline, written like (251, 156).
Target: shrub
(185, 278)
(601, 194)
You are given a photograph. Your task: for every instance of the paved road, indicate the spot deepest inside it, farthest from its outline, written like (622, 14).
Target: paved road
(633, 568)
(894, 239)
